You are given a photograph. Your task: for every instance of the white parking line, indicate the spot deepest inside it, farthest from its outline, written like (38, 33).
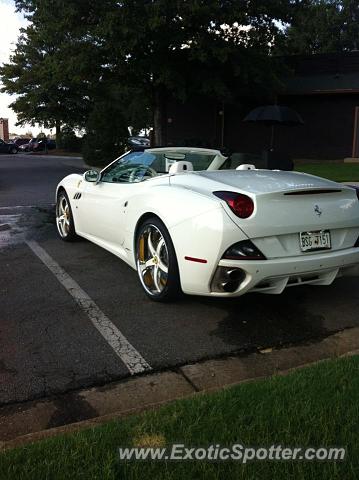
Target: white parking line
(119, 343)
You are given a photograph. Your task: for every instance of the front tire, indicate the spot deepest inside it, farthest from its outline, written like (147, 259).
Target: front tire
(156, 262)
(13, 150)
(64, 218)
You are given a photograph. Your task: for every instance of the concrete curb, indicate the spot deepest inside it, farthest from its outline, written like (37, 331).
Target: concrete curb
(36, 420)
(351, 160)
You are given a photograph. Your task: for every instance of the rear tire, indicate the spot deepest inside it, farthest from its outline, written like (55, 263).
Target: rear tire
(156, 262)
(64, 218)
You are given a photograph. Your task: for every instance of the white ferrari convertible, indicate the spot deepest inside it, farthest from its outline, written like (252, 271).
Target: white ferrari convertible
(189, 222)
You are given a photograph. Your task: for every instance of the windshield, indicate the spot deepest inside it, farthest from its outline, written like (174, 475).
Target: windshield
(139, 166)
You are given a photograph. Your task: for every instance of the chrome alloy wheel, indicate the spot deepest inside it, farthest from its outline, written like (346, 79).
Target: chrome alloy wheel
(152, 260)
(63, 216)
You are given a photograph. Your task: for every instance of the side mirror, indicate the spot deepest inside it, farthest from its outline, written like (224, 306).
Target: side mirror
(92, 176)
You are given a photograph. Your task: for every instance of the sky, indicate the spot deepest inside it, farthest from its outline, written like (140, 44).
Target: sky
(10, 24)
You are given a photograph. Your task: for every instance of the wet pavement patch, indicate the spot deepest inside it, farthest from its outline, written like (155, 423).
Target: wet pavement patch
(47, 215)
(6, 373)
(70, 409)
(255, 322)
(25, 223)
(9, 229)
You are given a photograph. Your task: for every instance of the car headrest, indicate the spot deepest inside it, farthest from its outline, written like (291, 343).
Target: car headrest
(246, 166)
(180, 166)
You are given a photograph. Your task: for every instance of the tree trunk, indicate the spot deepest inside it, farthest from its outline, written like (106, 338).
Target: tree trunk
(159, 117)
(58, 134)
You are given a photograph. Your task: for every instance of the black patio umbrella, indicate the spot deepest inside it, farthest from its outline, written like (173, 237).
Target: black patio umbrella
(274, 115)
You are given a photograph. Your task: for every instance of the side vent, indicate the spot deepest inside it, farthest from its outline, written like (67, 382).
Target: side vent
(77, 196)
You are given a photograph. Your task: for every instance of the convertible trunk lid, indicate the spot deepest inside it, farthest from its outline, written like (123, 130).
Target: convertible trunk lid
(267, 181)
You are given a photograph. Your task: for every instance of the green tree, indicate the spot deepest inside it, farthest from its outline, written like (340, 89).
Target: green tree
(184, 48)
(115, 108)
(322, 26)
(69, 140)
(53, 68)
(350, 28)
(80, 60)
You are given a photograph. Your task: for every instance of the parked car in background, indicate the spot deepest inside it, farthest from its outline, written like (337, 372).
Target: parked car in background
(7, 147)
(41, 145)
(138, 142)
(38, 145)
(21, 141)
(27, 147)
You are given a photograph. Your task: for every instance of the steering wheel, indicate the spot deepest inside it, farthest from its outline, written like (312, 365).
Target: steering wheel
(133, 174)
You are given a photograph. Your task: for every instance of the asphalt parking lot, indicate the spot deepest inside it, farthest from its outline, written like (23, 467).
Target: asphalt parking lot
(48, 343)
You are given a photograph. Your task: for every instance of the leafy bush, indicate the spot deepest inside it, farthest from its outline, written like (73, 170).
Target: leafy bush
(106, 135)
(69, 141)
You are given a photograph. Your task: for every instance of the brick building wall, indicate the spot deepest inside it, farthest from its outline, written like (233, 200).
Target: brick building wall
(4, 129)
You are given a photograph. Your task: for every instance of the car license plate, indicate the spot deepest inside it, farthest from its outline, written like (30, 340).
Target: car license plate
(310, 241)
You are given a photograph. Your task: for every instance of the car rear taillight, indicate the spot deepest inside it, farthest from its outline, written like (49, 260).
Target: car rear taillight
(240, 204)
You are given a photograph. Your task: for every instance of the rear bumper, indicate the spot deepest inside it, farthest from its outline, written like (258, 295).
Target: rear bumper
(273, 276)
